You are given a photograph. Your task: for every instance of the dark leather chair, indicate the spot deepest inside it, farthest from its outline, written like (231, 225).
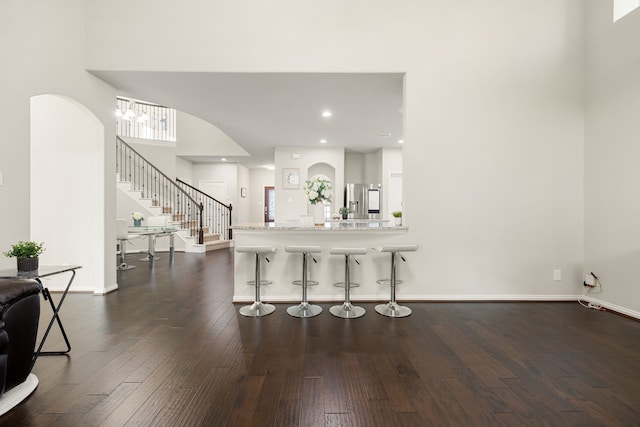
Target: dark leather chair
(19, 316)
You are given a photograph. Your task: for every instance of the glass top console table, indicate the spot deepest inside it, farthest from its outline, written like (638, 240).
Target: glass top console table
(152, 232)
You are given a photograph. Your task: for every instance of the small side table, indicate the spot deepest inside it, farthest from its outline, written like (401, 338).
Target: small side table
(46, 271)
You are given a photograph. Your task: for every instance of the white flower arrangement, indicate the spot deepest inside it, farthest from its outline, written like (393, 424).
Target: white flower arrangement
(137, 216)
(318, 190)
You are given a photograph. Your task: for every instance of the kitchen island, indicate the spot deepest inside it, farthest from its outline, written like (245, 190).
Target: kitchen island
(284, 268)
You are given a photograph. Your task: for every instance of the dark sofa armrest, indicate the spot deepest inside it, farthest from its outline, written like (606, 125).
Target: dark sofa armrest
(4, 350)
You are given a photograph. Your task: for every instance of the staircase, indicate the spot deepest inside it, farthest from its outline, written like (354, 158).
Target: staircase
(204, 222)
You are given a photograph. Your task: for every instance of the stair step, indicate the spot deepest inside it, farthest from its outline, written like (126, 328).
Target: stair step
(194, 231)
(217, 244)
(211, 237)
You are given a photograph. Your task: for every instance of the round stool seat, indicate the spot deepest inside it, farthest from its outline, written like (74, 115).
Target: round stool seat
(399, 248)
(256, 249)
(348, 251)
(303, 249)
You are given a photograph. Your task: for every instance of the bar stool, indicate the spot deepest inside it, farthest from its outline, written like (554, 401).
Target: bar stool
(392, 308)
(123, 236)
(258, 308)
(304, 309)
(346, 310)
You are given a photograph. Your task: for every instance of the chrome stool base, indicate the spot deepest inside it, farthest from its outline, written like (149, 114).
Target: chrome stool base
(257, 309)
(262, 282)
(125, 266)
(347, 311)
(392, 309)
(388, 281)
(304, 310)
(309, 282)
(341, 285)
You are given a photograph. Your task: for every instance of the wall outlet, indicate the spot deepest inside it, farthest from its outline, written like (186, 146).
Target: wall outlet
(557, 275)
(589, 280)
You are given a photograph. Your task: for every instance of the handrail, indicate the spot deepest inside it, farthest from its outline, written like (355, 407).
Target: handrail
(191, 187)
(217, 215)
(162, 190)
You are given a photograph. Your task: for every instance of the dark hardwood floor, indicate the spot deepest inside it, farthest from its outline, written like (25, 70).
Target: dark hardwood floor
(169, 348)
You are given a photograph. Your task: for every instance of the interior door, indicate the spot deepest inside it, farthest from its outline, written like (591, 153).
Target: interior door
(217, 190)
(269, 204)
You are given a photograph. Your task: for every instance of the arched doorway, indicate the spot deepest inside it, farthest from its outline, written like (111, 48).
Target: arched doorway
(67, 188)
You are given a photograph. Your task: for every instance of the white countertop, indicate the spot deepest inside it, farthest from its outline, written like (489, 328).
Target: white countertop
(348, 225)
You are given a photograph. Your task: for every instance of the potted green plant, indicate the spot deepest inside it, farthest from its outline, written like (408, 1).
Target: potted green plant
(344, 211)
(27, 254)
(397, 215)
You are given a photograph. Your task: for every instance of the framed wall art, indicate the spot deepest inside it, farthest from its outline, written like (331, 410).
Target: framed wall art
(291, 178)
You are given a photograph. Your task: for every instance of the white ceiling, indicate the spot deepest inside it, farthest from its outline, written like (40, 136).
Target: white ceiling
(260, 111)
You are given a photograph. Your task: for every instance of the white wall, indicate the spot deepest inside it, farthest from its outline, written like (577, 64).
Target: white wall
(160, 154)
(372, 168)
(196, 137)
(292, 203)
(243, 205)
(184, 170)
(493, 115)
(67, 181)
(354, 168)
(227, 172)
(42, 44)
(260, 178)
(612, 150)
(391, 163)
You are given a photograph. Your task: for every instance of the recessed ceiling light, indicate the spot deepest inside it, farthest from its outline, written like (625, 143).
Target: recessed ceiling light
(270, 167)
(323, 141)
(223, 159)
(326, 114)
(401, 141)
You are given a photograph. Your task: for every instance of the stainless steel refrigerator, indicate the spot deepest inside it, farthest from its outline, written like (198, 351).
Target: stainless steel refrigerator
(363, 200)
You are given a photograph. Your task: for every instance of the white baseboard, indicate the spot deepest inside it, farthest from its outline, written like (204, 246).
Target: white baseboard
(614, 307)
(444, 298)
(106, 290)
(413, 298)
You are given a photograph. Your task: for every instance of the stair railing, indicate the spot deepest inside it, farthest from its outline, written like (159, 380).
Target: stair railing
(217, 215)
(159, 188)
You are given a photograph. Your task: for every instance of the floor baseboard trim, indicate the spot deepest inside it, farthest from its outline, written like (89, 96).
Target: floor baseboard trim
(613, 307)
(106, 290)
(412, 298)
